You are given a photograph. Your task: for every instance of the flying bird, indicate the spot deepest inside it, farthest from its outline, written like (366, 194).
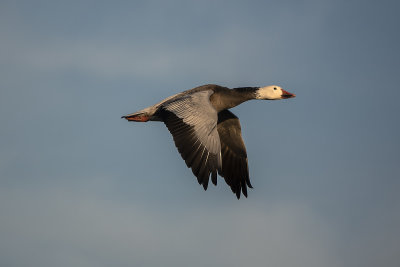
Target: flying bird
(208, 136)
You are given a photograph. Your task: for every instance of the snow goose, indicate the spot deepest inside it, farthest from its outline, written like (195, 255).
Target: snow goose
(208, 136)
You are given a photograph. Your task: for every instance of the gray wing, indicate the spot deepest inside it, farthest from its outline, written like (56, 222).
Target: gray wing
(192, 121)
(234, 157)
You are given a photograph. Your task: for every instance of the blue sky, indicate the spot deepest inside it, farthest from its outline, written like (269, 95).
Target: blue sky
(81, 187)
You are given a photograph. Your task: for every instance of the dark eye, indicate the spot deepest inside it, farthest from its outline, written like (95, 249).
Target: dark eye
(274, 88)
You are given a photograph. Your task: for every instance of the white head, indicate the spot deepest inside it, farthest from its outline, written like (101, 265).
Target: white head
(272, 92)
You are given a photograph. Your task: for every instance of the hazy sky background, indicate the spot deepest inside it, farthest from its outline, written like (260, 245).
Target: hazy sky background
(81, 187)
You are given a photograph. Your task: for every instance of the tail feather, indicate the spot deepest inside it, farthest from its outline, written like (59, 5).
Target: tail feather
(141, 117)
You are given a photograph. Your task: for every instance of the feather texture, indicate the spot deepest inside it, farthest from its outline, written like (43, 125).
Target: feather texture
(234, 157)
(192, 121)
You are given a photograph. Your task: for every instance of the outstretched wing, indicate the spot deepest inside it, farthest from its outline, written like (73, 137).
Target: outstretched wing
(192, 121)
(234, 157)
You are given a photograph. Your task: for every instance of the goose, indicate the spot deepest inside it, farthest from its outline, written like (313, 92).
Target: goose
(207, 135)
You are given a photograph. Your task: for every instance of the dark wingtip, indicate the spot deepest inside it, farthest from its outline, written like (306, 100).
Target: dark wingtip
(214, 177)
(238, 194)
(244, 190)
(205, 185)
